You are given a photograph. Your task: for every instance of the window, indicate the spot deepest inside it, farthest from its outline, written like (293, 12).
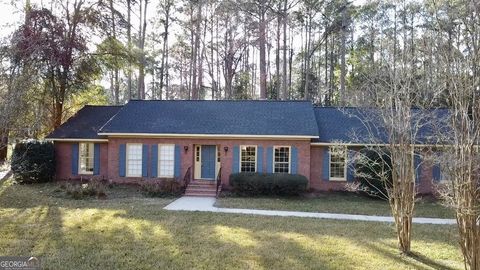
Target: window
(166, 160)
(338, 163)
(134, 160)
(86, 158)
(281, 159)
(197, 153)
(248, 158)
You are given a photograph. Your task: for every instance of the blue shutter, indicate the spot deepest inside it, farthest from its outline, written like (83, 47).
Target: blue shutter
(326, 165)
(294, 161)
(418, 168)
(350, 166)
(154, 161)
(144, 160)
(177, 161)
(269, 159)
(259, 159)
(122, 155)
(96, 159)
(236, 159)
(75, 159)
(436, 172)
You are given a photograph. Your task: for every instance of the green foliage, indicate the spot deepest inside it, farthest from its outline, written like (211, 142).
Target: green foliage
(113, 54)
(252, 184)
(33, 162)
(374, 173)
(241, 85)
(161, 188)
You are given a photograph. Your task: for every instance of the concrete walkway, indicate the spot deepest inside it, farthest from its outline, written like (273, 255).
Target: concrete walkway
(206, 204)
(3, 174)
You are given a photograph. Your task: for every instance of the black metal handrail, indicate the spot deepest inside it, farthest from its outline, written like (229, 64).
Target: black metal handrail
(186, 178)
(219, 181)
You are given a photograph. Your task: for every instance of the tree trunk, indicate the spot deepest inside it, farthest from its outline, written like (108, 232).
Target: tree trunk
(284, 76)
(3, 146)
(195, 55)
(129, 45)
(116, 83)
(277, 55)
(263, 63)
(342, 56)
(142, 33)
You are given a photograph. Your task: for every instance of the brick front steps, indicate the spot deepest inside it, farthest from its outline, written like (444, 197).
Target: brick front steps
(201, 188)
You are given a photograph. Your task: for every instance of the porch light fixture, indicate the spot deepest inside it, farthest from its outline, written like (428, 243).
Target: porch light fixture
(225, 148)
(185, 148)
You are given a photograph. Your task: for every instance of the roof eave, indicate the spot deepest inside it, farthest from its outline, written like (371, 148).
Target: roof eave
(186, 135)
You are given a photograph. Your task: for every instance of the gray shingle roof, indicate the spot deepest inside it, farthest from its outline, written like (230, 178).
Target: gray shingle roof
(85, 123)
(358, 125)
(247, 117)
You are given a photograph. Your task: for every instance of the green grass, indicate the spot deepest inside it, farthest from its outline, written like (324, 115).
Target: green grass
(345, 203)
(129, 231)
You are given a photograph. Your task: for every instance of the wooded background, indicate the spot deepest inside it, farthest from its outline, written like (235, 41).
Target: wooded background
(64, 54)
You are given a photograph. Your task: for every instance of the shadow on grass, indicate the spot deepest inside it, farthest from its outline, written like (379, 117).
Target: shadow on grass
(131, 234)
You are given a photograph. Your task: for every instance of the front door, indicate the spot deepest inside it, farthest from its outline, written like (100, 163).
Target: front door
(208, 161)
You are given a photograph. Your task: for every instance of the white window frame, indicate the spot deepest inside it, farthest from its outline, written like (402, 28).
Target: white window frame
(159, 159)
(443, 179)
(80, 158)
(127, 163)
(344, 178)
(240, 157)
(289, 157)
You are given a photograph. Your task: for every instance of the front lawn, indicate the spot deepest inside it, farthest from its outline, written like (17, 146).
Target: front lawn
(129, 231)
(344, 203)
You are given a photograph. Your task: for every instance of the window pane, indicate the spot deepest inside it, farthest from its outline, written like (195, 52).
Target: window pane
(134, 160)
(248, 158)
(166, 160)
(282, 159)
(337, 162)
(86, 157)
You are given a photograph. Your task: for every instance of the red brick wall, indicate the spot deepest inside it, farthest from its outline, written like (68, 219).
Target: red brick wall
(187, 157)
(63, 157)
(317, 182)
(316, 174)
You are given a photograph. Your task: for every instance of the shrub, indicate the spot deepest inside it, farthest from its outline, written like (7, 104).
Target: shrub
(252, 184)
(372, 170)
(33, 162)
(93, 187)
(161, 188)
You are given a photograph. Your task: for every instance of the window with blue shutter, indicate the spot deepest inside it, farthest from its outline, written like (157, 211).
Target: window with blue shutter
(350, 166)
(236, 159)
(436, 172)
(326, 164)
(122, 155)
(154, 161)
(294, 161)
(96, 159)
(144, 160)
(75, 159)
(269, 159)
(259, 159)
(178, 161)
(417, 168)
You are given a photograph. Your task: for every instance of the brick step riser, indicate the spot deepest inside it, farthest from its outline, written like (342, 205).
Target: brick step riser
(200, 195)
(197, 185)
(200, 191)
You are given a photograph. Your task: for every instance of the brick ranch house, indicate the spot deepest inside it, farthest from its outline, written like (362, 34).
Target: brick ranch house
(208, 140)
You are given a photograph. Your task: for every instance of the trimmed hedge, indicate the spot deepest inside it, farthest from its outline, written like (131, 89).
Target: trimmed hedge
(33, 162)
(253, 184)
(161, 188)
